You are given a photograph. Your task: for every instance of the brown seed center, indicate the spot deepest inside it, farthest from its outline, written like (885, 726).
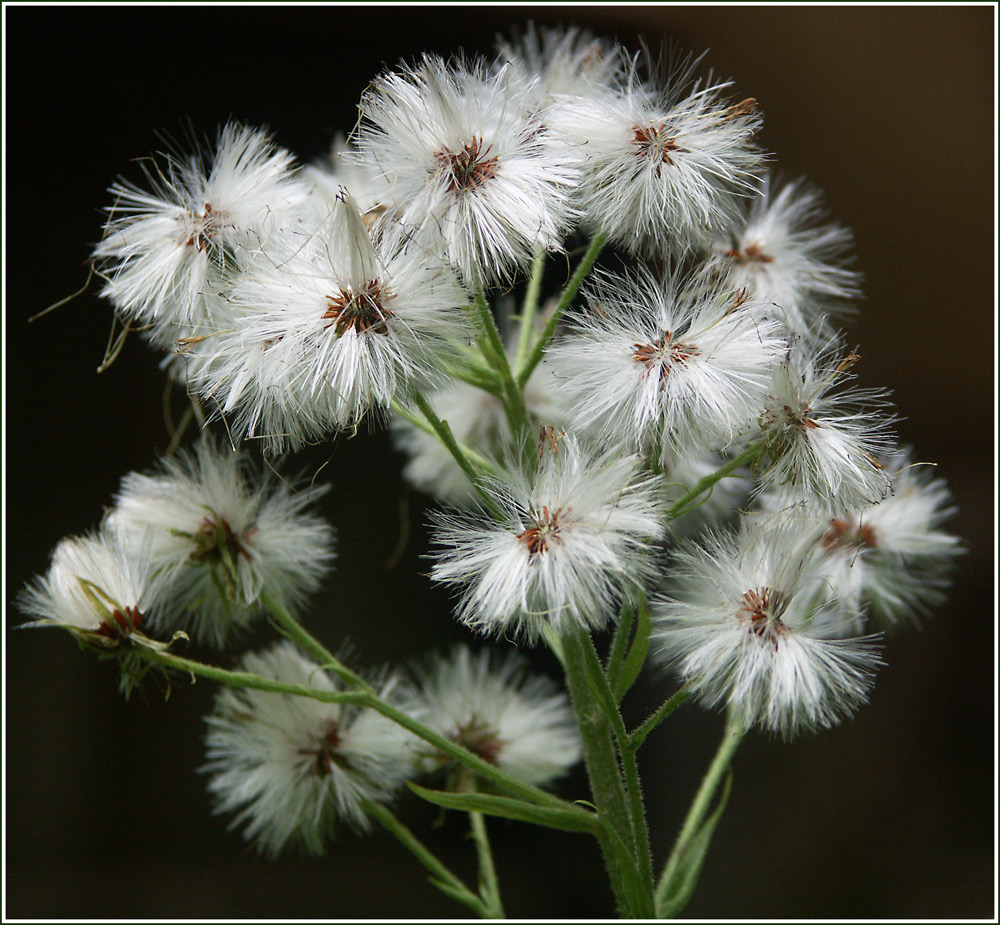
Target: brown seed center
(121, 625)
(544, 531)
(750, 254)
(468, 168)
(479, 738)
(762, 609)
(847, 533)
(325, 751)
(360, 311)
(663, 353)
(206, 225)
(655, 142)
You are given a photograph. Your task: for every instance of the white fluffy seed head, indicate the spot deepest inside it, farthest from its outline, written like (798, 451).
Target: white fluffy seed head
(744, 630)
(165, 247)
(324, 329)
(785, 251)
(570, 542)
(658, 368)
(893, 558)
(824, 442)
(222, 536)
(97, 585)
(293, 768)
(494, 706)
(664, 168)
(471, 169)
(561, 61)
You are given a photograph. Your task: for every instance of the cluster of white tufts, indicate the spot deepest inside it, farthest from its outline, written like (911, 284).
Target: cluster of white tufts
(680, 430)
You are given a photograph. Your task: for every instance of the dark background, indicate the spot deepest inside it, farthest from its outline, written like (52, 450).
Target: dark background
(889, 110)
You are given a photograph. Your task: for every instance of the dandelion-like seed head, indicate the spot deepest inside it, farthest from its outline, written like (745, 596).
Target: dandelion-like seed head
(561, 549)
(221, 539)
(491, 704)
(294, 768)
(360, 311)
(748, 627)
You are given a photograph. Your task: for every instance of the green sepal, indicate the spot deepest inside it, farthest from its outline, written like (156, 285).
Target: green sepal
(684, 877)
(571, 819)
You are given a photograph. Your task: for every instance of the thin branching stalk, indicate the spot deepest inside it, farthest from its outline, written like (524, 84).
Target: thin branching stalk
(442, 877)
(525, 369)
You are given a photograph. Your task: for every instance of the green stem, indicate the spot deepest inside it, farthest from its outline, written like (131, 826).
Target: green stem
(529, 307)
(292, 629)
(633, 787)
(639, 735)
(443, 431)
(478, 376)
(745, 458)
(475, 458)
(441, 875)
(489, 884)
(525, 369)
(731, 739)
(619, 644)
(517, 411)
(360, 698)
(603, 771)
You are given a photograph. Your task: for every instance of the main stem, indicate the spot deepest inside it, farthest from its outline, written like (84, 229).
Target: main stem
(617, 837)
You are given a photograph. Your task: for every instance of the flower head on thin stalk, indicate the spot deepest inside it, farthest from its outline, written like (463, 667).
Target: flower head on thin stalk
(165, 247)
(472, 170)
(571, 540)
(292, 768)
(324, 330)
(96, 587)
(493, 706)
(893, 557)
(657, 367)
(823, 444)
(743, 629)
(786, 252)
(220, 536)
(664, 166)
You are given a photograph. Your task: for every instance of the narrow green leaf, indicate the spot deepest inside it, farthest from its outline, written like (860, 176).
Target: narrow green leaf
(616, 657)
(598, 682)
(569, 820)
(636, 657)
(684, 877)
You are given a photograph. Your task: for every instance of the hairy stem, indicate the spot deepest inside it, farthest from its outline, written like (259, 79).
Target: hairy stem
(604, 772)
(292, 629)
(529, 308)
(525, 369)
(745, 458)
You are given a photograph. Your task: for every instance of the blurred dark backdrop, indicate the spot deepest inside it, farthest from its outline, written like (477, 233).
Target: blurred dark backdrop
(889, 110)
